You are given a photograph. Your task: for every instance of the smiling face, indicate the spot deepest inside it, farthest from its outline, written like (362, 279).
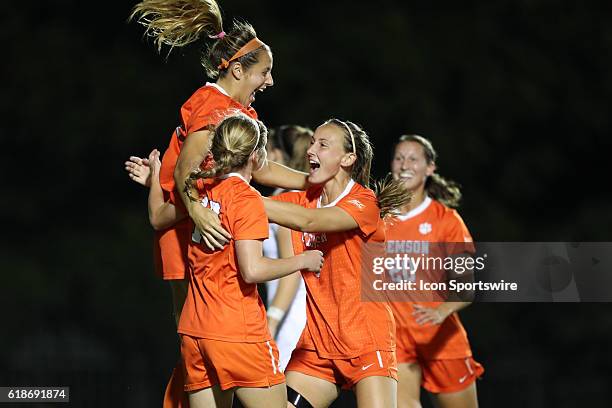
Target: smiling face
(410, 165)
(256, 78)
(326, 154)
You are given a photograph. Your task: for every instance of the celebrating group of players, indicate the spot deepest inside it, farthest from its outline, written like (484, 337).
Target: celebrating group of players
(210, 231)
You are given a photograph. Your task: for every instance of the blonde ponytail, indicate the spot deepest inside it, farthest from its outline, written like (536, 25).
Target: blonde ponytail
(233, 142)
(177, 23)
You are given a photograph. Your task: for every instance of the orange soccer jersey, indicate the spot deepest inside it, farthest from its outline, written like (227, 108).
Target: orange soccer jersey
(220, 305)
(428, 223)
(206, 107)
(339, 325)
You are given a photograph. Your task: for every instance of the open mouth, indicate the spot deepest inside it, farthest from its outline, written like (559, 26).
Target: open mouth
(314, 166)
(406, 175)
(252, 96)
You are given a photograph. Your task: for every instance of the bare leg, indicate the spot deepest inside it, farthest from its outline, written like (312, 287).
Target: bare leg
(466, 398)
(409, 386)
(376, 392)
(319, 392)
(272, 397)
(211, 397)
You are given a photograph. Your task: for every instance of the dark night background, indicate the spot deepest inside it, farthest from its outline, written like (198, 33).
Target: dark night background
(514, 95)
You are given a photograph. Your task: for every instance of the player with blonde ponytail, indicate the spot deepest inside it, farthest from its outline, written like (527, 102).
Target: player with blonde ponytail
(226, 346)
(240, 64)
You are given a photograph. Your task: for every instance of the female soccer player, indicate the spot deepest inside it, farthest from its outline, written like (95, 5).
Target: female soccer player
(241, 65)
(432, 345)
(225, 343)
(346, 342)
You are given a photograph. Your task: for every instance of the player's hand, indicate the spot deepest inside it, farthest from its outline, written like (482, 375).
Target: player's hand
(138, 170)
(313, 261)
(427, 315)
(154, 163)
(207, 222)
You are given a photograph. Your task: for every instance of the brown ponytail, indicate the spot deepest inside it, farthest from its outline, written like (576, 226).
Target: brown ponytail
(177, 23)
(437, 187)
(391, 194)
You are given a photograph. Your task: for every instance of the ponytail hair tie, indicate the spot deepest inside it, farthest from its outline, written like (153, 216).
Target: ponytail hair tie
(218, 36)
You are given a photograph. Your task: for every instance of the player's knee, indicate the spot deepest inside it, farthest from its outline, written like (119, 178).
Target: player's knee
(297, 399)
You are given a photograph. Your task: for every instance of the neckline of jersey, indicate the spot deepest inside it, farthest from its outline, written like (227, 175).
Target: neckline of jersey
(219, 88)
(347, 189)
(416, 211)
(228, 175)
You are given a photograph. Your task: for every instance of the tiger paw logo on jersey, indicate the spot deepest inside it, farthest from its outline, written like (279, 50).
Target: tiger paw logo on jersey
(312, 241)
(425, 228)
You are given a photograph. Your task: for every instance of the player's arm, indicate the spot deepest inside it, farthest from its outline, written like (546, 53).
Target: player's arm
(194, 150)
(296, 217)
(273, 174)
(162, 214)
(456, 301)
(287, 286)
(256, 268)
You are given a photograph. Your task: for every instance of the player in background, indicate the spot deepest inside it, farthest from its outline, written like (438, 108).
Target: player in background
(346, 343)
(225, 343)
(240, 65)
(432, 345)
(286, 296)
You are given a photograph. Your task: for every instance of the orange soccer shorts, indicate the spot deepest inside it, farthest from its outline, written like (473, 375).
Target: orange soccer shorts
(450, 375)
(440, 374)
(345, 373)
(228, 364)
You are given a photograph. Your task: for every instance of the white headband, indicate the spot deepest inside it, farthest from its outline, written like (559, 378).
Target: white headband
(351, 134)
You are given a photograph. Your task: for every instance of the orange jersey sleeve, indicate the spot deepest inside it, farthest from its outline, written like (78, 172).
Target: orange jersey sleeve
(248, 220)
(456, 235)
(293, 197)
(363, 207)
